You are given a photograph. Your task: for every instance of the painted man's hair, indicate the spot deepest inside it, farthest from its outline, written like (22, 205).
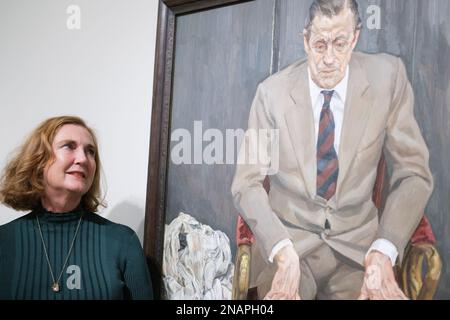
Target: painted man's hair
(331, 8)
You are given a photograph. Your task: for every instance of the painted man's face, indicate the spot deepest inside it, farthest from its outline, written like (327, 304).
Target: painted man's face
(329, 47)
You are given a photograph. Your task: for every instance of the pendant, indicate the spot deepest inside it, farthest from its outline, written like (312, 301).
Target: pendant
(55, 287)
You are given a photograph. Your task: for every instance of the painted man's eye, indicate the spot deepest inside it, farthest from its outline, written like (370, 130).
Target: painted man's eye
(320, 46)
(340, 45)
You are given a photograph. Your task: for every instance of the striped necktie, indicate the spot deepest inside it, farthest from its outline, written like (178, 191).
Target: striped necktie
(327, 160)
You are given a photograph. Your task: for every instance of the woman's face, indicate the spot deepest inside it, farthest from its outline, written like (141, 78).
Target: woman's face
(71, 171)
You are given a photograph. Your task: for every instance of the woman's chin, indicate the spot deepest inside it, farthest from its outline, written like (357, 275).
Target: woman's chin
(77, 190)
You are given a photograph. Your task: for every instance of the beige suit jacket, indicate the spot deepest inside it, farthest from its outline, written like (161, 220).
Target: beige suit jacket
(378, 116)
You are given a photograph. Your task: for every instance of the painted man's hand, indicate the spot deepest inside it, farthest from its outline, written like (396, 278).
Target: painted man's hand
(379, 280)
(286, 281)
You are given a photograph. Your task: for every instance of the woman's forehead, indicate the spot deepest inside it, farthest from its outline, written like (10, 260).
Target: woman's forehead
(75, 133)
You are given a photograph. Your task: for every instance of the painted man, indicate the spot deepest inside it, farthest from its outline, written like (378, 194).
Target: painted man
(318, 233)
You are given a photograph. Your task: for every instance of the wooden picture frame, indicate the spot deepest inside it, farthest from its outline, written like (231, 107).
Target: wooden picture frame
(169, 10)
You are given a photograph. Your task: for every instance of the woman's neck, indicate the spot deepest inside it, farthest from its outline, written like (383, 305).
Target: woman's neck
(60, 204)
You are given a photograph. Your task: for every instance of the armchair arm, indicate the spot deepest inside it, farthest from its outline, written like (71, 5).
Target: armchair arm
(413, 284)
(241, 278)
(422, 248)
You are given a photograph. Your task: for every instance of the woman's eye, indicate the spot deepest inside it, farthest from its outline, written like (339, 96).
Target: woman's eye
(90, 151)
(69, 146)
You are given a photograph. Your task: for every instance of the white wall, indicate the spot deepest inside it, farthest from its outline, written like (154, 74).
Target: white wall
(102, 73)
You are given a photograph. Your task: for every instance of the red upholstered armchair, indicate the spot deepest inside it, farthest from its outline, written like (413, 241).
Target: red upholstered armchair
(414, 283)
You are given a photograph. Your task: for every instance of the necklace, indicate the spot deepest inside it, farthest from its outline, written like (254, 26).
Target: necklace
(55, 284)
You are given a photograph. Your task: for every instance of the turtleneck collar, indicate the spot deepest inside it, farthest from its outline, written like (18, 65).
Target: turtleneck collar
(48, 216)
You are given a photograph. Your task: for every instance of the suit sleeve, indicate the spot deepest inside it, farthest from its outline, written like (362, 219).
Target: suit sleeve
(254, 163)
(411, 182)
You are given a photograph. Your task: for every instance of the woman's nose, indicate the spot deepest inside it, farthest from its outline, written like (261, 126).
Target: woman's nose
(80, 156)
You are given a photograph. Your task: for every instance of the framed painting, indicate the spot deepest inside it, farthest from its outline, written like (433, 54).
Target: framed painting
(210, 57)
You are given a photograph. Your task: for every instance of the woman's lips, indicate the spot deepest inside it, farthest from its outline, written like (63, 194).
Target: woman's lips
(77, 174)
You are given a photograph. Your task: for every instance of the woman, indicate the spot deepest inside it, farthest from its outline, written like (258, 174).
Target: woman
(62, 249)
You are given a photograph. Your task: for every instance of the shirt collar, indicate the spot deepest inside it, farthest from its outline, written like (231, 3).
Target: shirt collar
(340, 89)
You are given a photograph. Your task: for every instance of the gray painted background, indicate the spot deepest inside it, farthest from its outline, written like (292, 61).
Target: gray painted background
(222, 55)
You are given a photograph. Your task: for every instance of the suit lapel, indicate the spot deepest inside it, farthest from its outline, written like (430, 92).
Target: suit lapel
(356, 115)
(300, 123)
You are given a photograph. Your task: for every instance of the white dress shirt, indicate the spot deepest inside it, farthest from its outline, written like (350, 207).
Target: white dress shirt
(337, 106)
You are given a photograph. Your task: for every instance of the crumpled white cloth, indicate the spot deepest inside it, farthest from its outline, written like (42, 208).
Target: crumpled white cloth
(197, 261)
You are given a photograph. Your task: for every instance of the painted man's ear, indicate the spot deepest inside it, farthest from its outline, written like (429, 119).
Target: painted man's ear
(357, 34)
(305, 39)
(305, 33)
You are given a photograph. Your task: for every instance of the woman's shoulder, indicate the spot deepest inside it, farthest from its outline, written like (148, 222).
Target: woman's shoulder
(111, 227)
(17, 221)
(10, 229)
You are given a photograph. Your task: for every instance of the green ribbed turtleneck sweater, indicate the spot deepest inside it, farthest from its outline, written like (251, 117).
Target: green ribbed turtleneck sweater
(106, 262)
